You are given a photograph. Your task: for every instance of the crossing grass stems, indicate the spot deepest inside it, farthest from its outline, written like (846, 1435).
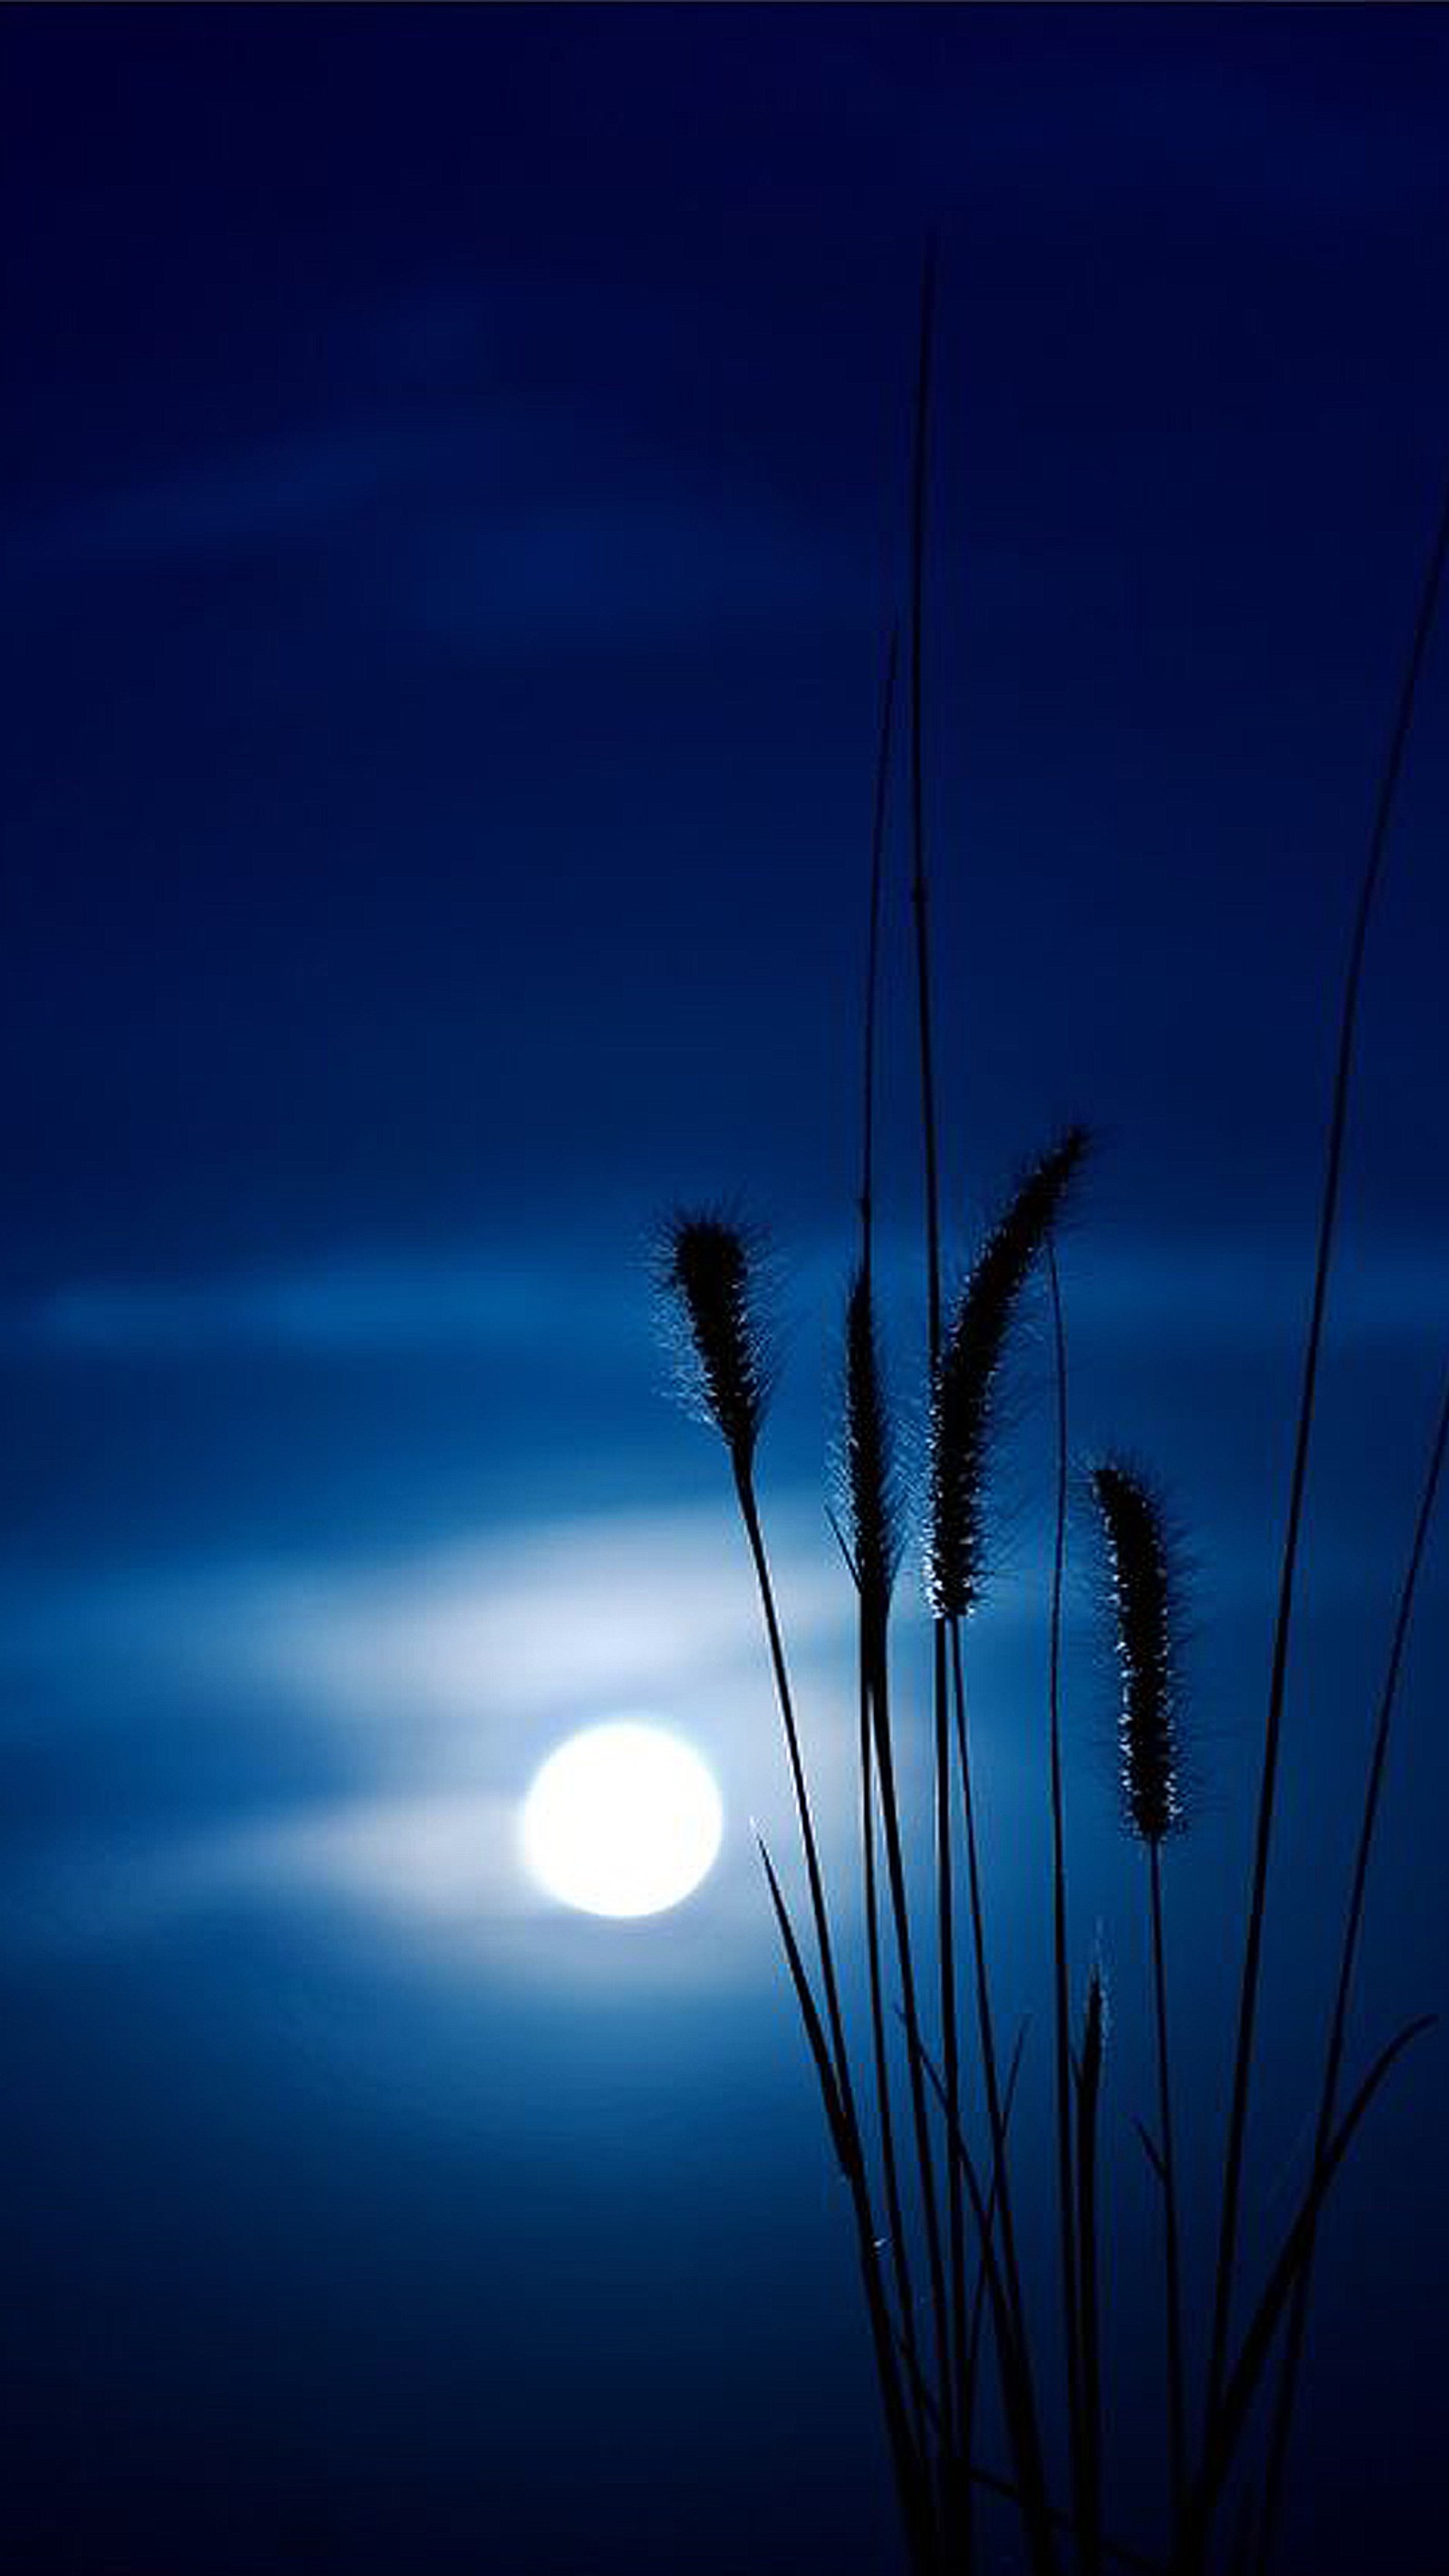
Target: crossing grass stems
(937, 2219)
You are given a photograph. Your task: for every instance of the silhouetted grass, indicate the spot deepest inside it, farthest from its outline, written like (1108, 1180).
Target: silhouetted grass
(1298, 1483)
(1353, 1926)
(1142, 1590)
(950, 2207)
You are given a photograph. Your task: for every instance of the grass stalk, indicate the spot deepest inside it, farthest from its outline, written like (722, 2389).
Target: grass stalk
(1012, 2359)
(950, 2031)
(873, 1564)
(885, 2119)
(872, 954)
(909, 2468)
(1061, 2016)
(978, 2294)
(1089, 2088)
(1241, 2384)
(755, 1537)
(910, 2013)
(1143, 1590)
(919, 891)
(1171, 2255)
(1348, 1958)
(909, 2472)
(867, 1437)
(1033, 2466)
(920, 908)
(1327, 1229)
(1066, 2523)
(931, 2428)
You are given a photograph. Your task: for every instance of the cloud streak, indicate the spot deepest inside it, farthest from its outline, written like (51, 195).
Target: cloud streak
(436, 1684)
(1216, 1290)
(478, 536)
(479, 1300)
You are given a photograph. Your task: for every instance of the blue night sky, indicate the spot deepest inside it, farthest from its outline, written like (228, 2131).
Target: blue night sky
(454, 499)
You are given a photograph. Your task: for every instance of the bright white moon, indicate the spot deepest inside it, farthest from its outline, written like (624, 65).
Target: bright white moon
(622, 1819)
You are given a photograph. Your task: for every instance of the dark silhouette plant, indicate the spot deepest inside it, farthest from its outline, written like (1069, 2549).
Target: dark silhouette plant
(943, 2275)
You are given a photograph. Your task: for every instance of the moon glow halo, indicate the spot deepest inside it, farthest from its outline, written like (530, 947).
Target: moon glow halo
(622, 1819)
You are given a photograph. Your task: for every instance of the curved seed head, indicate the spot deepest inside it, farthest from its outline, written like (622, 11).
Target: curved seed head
(968, 1370)
(709, 1268)
(1143, 1588)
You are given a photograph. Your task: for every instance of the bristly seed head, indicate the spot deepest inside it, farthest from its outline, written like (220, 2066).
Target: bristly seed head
(1140, 1566)
(709, 1267)
(967, 1373)
(870, 1486)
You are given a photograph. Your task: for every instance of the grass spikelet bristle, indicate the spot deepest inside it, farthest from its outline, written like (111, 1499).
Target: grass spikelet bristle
(969, 1367)
(1140, 1565)
(870, 1487)
(710, 1268)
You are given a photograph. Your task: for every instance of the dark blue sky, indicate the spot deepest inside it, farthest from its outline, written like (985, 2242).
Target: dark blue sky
(453, 501)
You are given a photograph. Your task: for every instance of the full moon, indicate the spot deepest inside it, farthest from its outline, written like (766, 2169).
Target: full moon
(622, 1819)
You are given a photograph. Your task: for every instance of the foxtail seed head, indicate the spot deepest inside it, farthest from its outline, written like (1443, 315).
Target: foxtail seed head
(709, 1267)
(967, 1372)
(1140, 1567)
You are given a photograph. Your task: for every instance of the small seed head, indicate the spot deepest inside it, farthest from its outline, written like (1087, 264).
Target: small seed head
(709, 1269)
(1141, 1578)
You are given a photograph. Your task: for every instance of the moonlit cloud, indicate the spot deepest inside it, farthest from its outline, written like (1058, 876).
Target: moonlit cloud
(547, 1623)
(473, 1300)
(1219, 1289)
(433, 1865)
(436, 1684)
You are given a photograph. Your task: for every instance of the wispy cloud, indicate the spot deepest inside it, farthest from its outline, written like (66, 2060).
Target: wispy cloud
(435, 1685)
(478, 1646)
(485, 527)
(436, 1863)
(231, 501)
(1226, 1291)
(626, 567)
(484, 1298)
(1214, 1291)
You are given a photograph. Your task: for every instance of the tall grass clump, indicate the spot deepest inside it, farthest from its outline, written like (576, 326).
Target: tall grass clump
(916, 2087)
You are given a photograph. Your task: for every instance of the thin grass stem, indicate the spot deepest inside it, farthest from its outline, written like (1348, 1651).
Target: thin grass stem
(890, 2177)
(874, 1611)
(1011, 2357)
(1172, 2269)
(1327, 1229)
(1338, 2030)
(978, 2295)
(919, 895)
(946, 1972)
(1065, 2522)
(989, 2065)
(1066, 2193)
(909, 2467)
(1231, 2415)
(910, 2008)
(872, 957)
(1089, 2086)
(967, 2427)
(749, 1514)
(920, 906)
(985, 2018)
(993, 2483)
(872, 1567)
